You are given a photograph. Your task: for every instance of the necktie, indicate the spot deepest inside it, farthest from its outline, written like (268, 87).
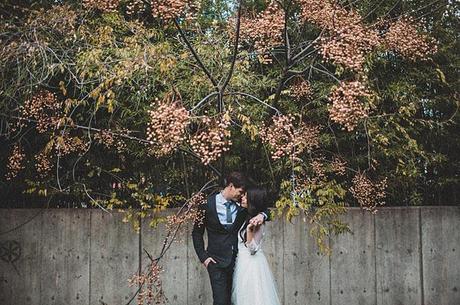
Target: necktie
(228, 204)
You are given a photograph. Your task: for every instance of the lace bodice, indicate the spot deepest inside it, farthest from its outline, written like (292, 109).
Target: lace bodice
(256, 243)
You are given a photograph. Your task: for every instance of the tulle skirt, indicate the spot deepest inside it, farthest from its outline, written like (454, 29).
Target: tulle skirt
(253, 282)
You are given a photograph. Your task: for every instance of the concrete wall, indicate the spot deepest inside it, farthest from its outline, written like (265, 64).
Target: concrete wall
(401, 256)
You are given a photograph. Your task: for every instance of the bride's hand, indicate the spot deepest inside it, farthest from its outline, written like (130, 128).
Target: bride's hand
(257, 220)
(252, 227)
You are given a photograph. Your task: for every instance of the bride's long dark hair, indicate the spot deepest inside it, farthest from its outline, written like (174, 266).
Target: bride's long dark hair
(257, 198)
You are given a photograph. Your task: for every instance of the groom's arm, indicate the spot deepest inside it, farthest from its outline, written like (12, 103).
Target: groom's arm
(261, 218)
(266, 215)
(198, 232)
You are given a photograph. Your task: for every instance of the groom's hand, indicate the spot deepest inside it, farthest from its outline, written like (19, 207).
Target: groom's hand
(257, 220)
(209, 260)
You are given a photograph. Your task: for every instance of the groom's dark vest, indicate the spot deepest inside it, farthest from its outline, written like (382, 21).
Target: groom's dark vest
(222, 242)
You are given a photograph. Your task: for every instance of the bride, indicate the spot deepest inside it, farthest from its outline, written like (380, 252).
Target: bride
(253, 282)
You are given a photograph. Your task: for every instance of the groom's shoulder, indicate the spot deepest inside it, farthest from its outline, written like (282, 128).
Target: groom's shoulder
(212, 197)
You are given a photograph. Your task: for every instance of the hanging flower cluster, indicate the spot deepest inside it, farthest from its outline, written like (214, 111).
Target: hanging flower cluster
(346, 108)
(317, 165)
(167, 126)
(151, 291)
(135, 7)
(286, 140)
(319, 12)
(349, 46)
(171, 9)
(66, 144)
(190, 214)
(44, 108)
(108, 140)
(347, 40)
(339, 166)
(279, 136)
(15, 162)
(306, 136)
(369, 194)
(213, 139)
(265, 30)
(403, 38)
(43, 164)
(301, 90)
(105, 6)
(105, 138)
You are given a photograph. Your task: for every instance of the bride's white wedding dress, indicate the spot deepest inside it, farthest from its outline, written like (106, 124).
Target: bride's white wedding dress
(253, 282)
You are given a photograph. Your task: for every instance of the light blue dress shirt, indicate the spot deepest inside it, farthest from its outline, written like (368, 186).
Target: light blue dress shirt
(222, 209)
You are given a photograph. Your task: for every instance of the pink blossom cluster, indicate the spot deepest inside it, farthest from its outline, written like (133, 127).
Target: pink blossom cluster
(134, 7)
(105, 6)
(320, 12)
(279, 136)
(15, 162)
(167, 126)
(347, 109)
(348, 46)
(43, 163)
(347, 40)
(339, 166)
(151, 291)
(317, 165)
(190, 214)
(265, 30)
(301, 90)
(404, 38)
(213, 139)
(369, 194)
(306, 136)
(44, 108)
(107, 138)
(171, 9)
(66, 144)
(286, 140)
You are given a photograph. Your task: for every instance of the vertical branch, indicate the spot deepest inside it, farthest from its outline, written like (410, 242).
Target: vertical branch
(286, 38)
(227, 80)
(197, 58)
(368, 145)
(184, 168)
(235, 48)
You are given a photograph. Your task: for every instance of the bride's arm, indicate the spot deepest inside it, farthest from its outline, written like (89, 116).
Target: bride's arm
(254, 238)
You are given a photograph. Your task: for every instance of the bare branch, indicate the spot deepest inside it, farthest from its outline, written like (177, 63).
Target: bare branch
(197, 58)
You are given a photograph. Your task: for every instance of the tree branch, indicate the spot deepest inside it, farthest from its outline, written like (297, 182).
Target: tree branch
(197, 58)
(235, 49)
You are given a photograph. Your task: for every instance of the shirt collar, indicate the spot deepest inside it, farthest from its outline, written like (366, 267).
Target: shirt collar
(221, 199)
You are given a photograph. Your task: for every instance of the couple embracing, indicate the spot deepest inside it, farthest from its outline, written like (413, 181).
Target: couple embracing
(234, 220)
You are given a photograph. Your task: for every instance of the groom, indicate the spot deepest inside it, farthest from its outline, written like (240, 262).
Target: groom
(223, 217)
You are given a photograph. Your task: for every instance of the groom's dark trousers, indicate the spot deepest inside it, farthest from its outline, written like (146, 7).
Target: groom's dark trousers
(222, 247)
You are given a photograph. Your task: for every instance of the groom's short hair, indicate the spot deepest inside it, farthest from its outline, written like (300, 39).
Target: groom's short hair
(239, 180)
